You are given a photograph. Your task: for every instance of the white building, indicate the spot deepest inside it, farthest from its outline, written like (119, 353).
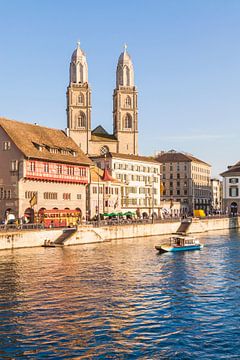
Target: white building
(216, 189)
(140, 176)
(231, 189)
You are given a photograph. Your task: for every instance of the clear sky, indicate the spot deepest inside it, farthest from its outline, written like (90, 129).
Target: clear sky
(186, 56)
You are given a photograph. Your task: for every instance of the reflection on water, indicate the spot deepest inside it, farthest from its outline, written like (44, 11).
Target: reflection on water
(121, 300)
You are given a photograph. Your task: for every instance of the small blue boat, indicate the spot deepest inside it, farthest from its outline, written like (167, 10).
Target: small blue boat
(180, 243)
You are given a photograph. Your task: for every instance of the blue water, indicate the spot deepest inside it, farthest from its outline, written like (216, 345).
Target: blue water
(121, 300)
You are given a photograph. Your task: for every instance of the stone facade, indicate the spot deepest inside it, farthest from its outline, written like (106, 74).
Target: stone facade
(185, 179)
(124, 138)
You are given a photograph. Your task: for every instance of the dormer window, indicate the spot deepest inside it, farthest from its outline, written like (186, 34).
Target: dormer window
(54, 150)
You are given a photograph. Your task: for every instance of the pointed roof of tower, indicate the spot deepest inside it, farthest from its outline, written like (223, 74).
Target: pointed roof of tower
(124, 57)
(78, 53)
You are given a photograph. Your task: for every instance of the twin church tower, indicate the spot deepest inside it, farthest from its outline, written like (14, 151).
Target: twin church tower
(125, 109)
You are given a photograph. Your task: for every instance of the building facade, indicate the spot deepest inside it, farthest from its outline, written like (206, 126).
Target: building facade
(124, 138)
(185, 179)
(140, 176)
(43, 169)
(103, 193)
(216, 189)
(231, 189)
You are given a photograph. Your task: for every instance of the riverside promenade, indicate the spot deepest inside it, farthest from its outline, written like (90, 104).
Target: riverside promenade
(11, 238)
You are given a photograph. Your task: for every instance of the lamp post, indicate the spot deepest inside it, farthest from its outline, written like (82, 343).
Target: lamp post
(98, 202)
(152, 198)
(193, 197)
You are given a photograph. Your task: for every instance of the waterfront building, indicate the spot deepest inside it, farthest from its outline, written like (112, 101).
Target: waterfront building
(103, 193)
(231, 189)
(41, 168)
(124, 138)
(216, 189)
(185, 179)
(140, 176)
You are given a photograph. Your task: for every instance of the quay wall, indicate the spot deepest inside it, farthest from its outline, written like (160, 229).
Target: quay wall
(108, 233)
(89, 234)
(27, 238)
(211, 224)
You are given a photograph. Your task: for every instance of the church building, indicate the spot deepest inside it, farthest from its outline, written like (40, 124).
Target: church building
(124, 138)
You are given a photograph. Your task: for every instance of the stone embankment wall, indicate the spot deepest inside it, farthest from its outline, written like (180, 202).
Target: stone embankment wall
(28, 238)
(107, 233)
(89, 234)
(211, 224)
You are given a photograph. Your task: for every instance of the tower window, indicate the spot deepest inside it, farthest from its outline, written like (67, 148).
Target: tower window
(128, 102)
(128, 121)
(81, 99)
(80, 120)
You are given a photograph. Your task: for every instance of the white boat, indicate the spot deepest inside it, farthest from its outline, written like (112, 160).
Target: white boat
(180, 243)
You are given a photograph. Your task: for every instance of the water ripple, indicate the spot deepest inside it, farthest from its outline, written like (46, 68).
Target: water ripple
(121, 300)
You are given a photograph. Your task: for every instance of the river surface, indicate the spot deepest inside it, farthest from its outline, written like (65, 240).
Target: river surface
(121, 300)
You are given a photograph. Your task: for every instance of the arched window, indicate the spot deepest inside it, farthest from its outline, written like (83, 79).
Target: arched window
(81, 73)
(126, 76)
(128, 102)
(81, 98)
(128, 121)
(80, 120)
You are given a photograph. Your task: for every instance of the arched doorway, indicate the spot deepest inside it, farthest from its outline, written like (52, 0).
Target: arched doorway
(234, 208)
(29, 215)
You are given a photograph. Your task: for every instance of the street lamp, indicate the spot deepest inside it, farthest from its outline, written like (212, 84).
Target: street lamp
(152, 198)
(98, 201)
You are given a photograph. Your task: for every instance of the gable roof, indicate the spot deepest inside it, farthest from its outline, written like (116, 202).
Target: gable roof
(99, 130)
(173, 156)
(30, 138)
(232, 171)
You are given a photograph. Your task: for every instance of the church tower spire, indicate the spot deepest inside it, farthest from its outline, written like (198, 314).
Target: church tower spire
(79, 100)
(125, 111)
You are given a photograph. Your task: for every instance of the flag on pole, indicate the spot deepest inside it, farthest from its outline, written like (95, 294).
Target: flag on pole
(161, 188)
(33, 200)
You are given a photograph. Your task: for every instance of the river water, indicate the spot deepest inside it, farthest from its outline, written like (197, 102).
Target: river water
(121, 300)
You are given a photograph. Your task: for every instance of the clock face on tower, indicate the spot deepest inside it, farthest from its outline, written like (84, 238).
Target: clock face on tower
(104, 150)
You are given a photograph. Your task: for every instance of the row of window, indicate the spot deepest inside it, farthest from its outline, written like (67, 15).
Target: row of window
(177, 192)
(140, 168)
(146, 179)
(55, 150)
(57, 168)
(178, 184)
(5, 194)
(135, 190)
(176, 167)
(49, 195)
(183, 166)
(108, 190)
(139, 202)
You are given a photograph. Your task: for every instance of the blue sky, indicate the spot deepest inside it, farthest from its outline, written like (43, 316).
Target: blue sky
(186, 56)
